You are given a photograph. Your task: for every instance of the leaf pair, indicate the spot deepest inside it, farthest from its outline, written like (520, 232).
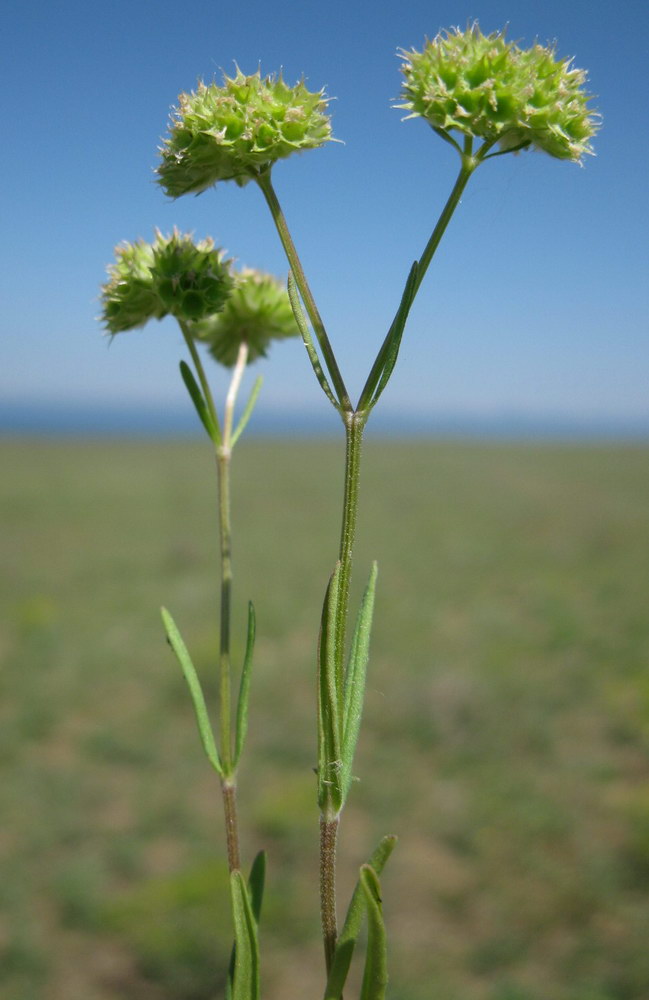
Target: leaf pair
(365, 899)
(340, 710)
(196, 691)
(386, 358)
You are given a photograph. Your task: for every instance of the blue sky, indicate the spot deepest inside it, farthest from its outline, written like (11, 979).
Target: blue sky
(536, 302)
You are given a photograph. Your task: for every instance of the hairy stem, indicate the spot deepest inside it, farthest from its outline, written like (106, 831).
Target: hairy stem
(328, 838)
(229, 789)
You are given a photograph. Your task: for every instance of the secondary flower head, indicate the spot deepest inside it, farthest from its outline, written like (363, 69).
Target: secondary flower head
(238, 130)
(171, 276)
(257, 312)
(483, 86)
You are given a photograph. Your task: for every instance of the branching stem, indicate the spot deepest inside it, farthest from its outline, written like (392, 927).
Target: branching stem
(223, 445)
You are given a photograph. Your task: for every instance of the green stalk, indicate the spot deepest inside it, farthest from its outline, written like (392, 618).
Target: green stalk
(200, 371)
(223, 445)
(468, 165)
(354, 421)
(354, 427)
(328, 841)
(266, 185)
(329, 825)
(223, 459)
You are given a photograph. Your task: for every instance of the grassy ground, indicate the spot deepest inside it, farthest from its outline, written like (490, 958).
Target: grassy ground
(506, 734)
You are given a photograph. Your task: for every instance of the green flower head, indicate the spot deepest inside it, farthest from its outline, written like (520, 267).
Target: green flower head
(483, 86)
(171, 276)
(257, 312)
(237, 131)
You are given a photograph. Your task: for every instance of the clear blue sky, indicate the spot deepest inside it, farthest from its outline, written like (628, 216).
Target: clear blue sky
(537, 300)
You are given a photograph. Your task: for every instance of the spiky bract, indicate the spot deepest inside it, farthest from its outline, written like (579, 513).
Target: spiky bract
(171, 276)
(238, 130)
(484, 86)
(257, 312)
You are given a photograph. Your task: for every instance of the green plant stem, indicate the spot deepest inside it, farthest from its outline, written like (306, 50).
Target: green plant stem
(225, 541)
(354, 427)
(200, 371)
(223, 461)
(223, 446)
(329, 824)
(266, 185)
(328, 840)
(468, 165)
(229, 790)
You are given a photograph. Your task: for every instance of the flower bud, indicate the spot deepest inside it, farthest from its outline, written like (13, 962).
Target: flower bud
(171, 276)
(257, 312)
(486, 87)
(237, 131)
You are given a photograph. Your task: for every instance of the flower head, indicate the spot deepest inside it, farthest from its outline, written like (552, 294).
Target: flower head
(257, 312)
(238, 130)
(483, 86)
(171, 276)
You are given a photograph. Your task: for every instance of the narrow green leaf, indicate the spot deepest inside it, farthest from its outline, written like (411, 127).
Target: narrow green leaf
(375, 976)
(198, 400)
(202, 718)
(303, 327)
(351, 928)
(256, 881)
(386, 358)
(329, 710)
(244, 687)
(355, 682)
(398, 327)
(245, 981)
(247, 413)
(447, 137)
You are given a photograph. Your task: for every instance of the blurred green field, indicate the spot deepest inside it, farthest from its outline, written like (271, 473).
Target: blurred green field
(506, 735)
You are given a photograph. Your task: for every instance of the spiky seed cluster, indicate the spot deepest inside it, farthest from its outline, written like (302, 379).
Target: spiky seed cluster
(129, 298)
(257, 312)
(483, 86)
(171, 276)
(236, 131)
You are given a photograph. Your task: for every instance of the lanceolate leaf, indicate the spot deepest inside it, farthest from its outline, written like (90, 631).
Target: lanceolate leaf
(397, 331)
(244, 688)
(329, 710)
(198, 400)
(195, 689)
(351, 928)
(387, 356)
(256, 882)
(355, 682)
(303, 327)
(245, 983)
(247, 413)
(375, 977)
